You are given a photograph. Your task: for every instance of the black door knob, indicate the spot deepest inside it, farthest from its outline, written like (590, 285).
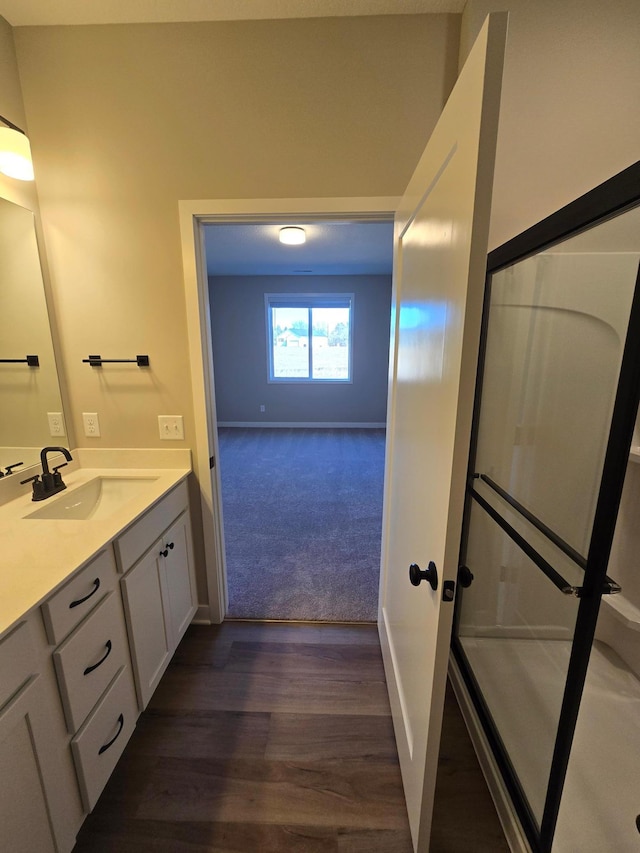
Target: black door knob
(416, 574)
(465, 577)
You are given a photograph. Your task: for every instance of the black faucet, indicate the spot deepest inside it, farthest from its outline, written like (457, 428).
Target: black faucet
(51, 482)
(10, 469)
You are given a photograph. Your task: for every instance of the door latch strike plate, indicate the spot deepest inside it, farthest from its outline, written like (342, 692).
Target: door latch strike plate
(448, 590)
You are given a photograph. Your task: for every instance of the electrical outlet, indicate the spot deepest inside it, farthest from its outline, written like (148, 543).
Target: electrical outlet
(91, 424)
(171, 427)
(56, 423)
(263, 408)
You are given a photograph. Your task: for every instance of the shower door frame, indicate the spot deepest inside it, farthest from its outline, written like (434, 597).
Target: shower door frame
(613, 197)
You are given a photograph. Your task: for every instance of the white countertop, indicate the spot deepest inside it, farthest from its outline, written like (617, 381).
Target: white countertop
(39, 555)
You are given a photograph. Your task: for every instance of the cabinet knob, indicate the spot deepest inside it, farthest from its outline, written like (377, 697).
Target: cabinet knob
(164, 553)
(170, 546)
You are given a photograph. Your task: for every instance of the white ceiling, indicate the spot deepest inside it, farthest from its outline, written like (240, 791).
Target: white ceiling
(332, 248)
(25, 13)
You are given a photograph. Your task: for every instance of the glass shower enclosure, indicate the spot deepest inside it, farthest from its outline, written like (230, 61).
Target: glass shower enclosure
(556, 405)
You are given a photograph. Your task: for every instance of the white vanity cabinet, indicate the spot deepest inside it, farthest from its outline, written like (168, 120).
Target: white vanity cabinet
(84, 659)
(39, 803)
(93, 668)
(156, 556)
(23, 748)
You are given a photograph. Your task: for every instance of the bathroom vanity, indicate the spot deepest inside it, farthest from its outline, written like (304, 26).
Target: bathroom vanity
(96, 590)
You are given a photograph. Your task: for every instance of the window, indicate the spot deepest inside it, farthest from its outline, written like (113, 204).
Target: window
(309, 337)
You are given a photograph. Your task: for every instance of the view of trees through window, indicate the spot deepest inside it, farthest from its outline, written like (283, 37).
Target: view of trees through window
(310, 339)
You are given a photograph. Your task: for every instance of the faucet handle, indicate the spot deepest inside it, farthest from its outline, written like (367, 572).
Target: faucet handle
(38, 487)
(11, 467)
(35, 479)
(57, 477)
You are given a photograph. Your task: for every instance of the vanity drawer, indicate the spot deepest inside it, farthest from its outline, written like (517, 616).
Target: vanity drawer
(101, 740)
(68, 607)
(133, 543)
(89, 659)
(17, 661)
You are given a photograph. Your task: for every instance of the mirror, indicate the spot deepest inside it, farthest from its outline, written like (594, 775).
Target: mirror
(27, 393)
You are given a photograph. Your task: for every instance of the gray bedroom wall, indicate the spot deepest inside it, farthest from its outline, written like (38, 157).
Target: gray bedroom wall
(239, 334)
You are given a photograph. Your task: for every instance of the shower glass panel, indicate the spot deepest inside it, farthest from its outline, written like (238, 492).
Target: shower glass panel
(593, 816)
(547, 606)
(557, 326)
(516, 628)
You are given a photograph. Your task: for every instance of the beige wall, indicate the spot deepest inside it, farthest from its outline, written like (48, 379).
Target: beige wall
(127, 120)
(570, 114)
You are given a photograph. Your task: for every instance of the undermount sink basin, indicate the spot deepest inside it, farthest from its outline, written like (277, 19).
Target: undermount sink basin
(95, 500)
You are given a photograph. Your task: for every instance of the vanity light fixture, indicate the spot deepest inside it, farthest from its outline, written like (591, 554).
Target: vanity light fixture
(15, 152)
(292, 236)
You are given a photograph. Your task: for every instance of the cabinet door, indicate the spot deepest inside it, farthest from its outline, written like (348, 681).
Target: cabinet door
(145, 597)
(24, 762)
(179, 570)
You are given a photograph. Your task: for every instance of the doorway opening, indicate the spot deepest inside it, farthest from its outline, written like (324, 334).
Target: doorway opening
(300, 347)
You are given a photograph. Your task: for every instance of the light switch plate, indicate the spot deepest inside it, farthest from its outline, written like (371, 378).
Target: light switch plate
(171, 427)
(91, 424)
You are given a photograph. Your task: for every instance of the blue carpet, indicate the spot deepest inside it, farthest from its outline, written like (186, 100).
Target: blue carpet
(302, 513)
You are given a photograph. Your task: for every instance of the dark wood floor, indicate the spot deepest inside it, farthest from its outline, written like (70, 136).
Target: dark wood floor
(270, 738)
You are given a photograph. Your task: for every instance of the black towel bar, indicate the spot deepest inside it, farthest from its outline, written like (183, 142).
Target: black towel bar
(31, 360)
(98, 361)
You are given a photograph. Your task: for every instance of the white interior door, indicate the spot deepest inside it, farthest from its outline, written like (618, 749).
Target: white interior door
(439, 263)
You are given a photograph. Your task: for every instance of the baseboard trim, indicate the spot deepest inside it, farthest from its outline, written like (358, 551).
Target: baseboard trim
(516, 838)
(202, 615)
(301, 425)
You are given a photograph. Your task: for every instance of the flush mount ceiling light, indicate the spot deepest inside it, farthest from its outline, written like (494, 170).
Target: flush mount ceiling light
(292, 236)
(15, 152)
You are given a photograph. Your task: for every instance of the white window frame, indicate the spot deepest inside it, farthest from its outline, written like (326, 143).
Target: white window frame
(309, 301)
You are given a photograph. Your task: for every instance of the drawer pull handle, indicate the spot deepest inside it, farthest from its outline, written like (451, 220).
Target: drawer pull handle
(115, 737)
(96, 587)
(101, 661)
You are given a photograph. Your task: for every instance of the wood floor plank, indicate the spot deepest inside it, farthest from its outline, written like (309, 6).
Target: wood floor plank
(125, 789)
(197, 688)
(156, 836)
(464, 816)
(375, 841)
(331, 737)
(351, 662)
(202, 734)
(275, 792)
(289, 632)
